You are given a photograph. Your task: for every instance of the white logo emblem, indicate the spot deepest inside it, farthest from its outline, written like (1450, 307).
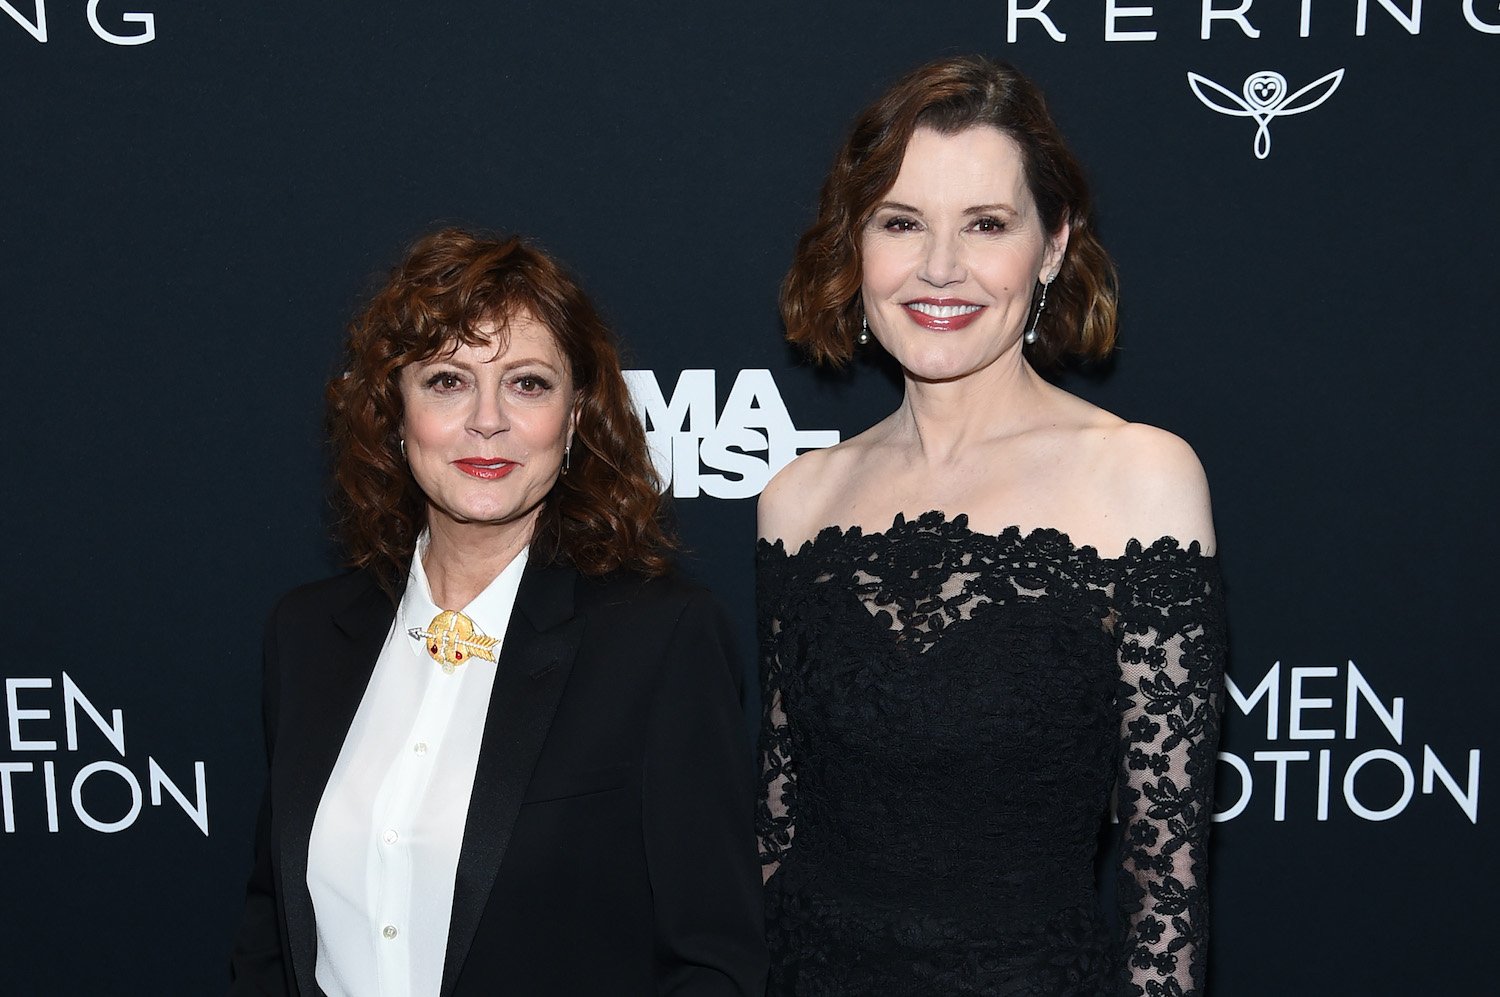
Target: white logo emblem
(748, 442)
(1265, 97)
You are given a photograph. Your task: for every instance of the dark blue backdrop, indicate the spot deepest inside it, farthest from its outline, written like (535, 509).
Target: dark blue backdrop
(186, 223)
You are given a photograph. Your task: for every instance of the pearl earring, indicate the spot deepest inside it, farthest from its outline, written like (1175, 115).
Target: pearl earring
(1031, 334)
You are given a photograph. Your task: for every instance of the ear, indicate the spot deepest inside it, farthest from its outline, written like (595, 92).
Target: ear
(1057, 246)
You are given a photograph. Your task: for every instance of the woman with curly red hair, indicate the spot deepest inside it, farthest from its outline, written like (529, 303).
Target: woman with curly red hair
(991, 611)
(506, 750)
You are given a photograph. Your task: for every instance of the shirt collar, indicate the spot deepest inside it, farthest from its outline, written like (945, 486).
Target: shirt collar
(490, 610)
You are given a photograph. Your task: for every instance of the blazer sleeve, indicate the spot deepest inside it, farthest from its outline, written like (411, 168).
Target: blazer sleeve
(699, 800)
(257, 964)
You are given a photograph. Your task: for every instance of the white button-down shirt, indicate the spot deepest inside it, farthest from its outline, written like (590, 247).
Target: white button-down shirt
(387, 834)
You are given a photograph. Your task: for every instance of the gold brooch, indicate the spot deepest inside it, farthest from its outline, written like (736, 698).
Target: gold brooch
(452, 638)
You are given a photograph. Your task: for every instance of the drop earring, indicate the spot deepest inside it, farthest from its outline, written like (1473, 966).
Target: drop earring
(567, 457)
(864, 330)
(1031, 334)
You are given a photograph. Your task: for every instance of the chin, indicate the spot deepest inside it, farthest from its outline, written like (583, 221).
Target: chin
(481, 514)
(944, 365)
(938, 369)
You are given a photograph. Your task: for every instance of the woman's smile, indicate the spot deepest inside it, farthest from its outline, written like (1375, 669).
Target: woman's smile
(942, 314)
(486, 468)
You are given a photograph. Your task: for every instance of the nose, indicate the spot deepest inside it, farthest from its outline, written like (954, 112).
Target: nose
(943, 263)
(488, 417)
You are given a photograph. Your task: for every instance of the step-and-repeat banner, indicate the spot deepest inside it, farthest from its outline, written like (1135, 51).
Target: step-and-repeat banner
(1301, 196)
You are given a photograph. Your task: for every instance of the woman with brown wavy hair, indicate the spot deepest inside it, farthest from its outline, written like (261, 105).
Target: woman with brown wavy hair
(505, 751)
(994, 610)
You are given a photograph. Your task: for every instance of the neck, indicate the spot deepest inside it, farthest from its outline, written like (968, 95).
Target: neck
(943, 419)
(463, 558)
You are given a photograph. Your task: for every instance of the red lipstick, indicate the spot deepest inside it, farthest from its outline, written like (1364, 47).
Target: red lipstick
(942, 314)
(486, 468)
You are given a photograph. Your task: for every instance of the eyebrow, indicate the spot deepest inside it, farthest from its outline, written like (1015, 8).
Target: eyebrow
(466, 364)
(977, 209)
(537, 361)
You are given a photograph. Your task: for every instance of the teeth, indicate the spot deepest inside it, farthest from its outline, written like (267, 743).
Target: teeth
(943, 311)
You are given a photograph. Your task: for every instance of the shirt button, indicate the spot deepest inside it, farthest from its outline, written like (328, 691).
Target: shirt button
(390, 837)
(420, 747)
(389, 931)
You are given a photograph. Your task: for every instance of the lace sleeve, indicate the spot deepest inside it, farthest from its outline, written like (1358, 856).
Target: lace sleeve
(774, 812)
(1170, 621)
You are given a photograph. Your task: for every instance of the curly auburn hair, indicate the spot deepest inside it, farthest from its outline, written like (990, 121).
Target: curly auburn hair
(820, 296)
(600, 516)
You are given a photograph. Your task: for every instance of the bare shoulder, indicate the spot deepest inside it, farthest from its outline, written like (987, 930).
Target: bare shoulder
(1156, 483)
(796, 502)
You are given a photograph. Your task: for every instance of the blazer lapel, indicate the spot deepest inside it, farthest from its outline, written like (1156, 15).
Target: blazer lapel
(336, 664)
(540, 644)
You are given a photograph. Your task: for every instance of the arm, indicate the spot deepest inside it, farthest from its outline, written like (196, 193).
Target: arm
(1172, 643)
(698, 796)
(256, 963)
(774, 814)
(782, 516)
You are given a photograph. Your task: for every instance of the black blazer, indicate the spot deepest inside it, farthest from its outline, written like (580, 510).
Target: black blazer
(608, 847)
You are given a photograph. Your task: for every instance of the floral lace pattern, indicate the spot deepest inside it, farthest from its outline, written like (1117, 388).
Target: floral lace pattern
(946, 716)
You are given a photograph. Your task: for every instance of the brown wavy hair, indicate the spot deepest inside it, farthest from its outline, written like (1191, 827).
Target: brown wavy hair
(603, 514)
(820, 296)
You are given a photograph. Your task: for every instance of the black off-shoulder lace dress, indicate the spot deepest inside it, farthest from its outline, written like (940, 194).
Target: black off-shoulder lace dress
(947, 714)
